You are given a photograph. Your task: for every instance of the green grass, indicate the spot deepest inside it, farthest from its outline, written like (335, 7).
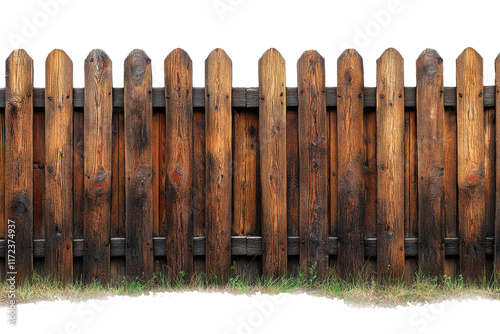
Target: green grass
(353, 291)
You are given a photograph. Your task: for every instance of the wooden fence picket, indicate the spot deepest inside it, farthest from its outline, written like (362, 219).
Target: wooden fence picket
(179, 155)
(351, 190)
(58, 204)
(497, 162)
(430, 138)
(138, 165)
(272, 141)
(19, 161)
(98, 112)
(471, 168)
(218, 131)
(313, 164)
(390, 165)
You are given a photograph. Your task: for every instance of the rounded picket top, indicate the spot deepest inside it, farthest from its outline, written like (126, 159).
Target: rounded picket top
(469, 54)
(99, 59)
(19, 57)
(311, 56)
(178, 55)
(350, 54)
(218, 54)
(272, 55)
(137, 55)
(428, 62)
(19, 54)
(390, 54)
(60, 55)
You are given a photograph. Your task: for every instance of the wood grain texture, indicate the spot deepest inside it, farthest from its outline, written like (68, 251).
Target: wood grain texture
(245, 173)
(313, 164)
(19, 158)
(218, 125)
(138, 165)
(199, 172)
(179, 163)
(58, 204)
(390, 165)
(272, 141)
(333, 177)
(497, 165)
(470, 160)
(98, 113)
(430, 137)
(351, 189)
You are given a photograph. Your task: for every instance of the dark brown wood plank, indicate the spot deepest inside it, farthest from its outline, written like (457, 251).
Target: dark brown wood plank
(450, 188)
(390, 165)
(218, 121)
(19, 160)
(313, 164)
(470, 160)
(272, 141)
(333, 179)
(430, 137)
(38, 174)
(179, 155)
(58, 204)
(138, 165)
(199, 173)
(98, 113)
(245, 173)
(497, 165)
(351, 190)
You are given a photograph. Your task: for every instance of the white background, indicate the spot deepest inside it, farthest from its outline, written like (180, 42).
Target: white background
(246, 28)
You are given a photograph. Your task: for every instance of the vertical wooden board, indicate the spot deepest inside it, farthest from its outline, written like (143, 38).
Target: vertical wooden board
(411, 187)
(3, 221)
(370, 171)
(497, 166)
(245, 173)
(199, 173)
(38, 175)
(272, 141)
(490, 179)
(98, 112)
(351, 155)
(155, 179)
(218, 121)
(115, 179)
(313, 187)
(292, 172)
(19, 159)
(138, 94)
(390, 165)
(78, 185)
(58, 203)
(162, 207)
(333, 180)
(450, 188)
(471, 168)
(179, 155)
(430, 141)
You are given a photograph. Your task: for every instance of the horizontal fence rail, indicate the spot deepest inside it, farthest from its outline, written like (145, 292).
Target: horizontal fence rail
(110, 183)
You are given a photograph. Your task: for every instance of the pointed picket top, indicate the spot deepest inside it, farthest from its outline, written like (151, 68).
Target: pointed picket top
(350, 55)
(59, 56)
(20, 54)
(469, 54)
(220, 56)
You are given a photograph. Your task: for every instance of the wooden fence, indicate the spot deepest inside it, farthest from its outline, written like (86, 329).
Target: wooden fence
(103, 182)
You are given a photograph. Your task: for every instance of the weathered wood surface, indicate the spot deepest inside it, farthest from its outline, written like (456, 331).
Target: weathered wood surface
(179, 163)
(272, 141)
(252, 246)
(98, 113)
(249, 97)
(470, 161)
(58, 204)
(19, 160)
(430, 137)
(138, 165)
(313, 151)
(390, 165)
(351, 205)
(218, 127)
(497, 162)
